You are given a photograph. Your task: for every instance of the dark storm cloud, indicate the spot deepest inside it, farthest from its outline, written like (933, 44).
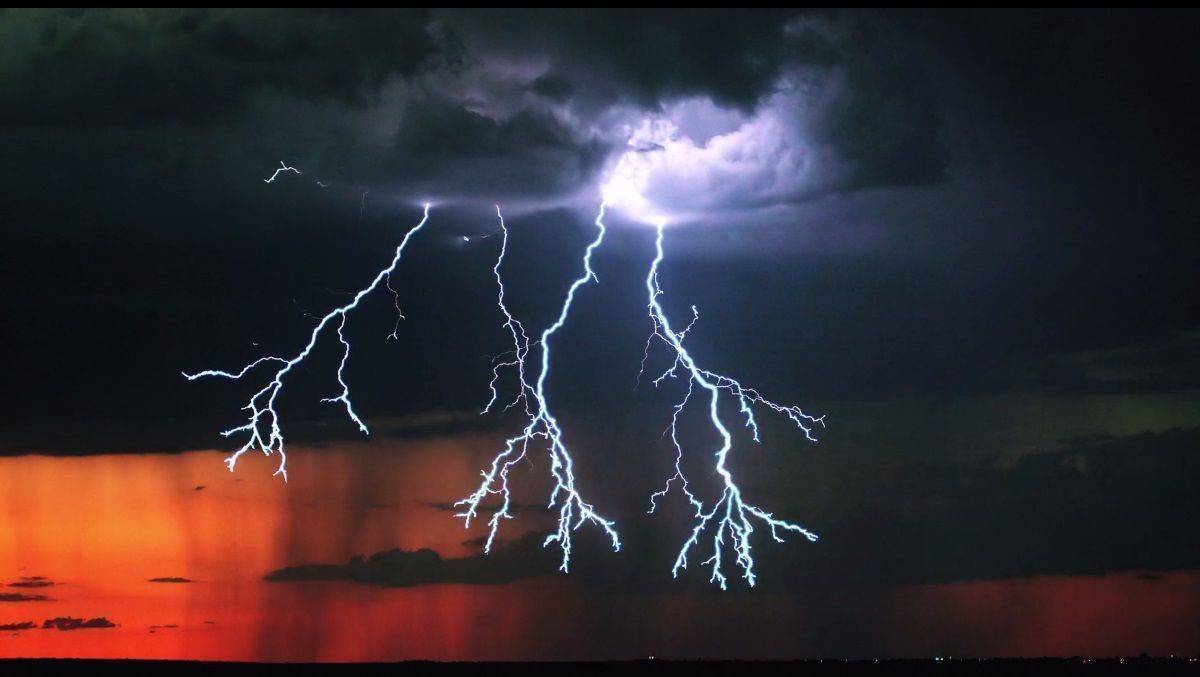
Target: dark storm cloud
(32, 582)
(522, 558)
(888, 121)
(130, 67)
(140, 239)
(464, 104)
(872, 101)
(444, 146)
(102, 437)
(1093, 506)
(12, 627)
(490, 509)
(21, 597)
(435, 424)
(646, 57)
(477, 544)
(1171, 364)
(1096, 505)
(541, 102)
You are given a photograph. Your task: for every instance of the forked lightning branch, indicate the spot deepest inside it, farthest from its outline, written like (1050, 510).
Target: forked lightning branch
(722, 526)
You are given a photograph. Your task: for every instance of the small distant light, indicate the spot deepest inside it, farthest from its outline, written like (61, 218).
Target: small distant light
(466, 239)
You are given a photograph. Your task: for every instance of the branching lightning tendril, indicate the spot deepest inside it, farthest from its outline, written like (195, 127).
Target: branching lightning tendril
(729, 515)
(262, 403)
(282, 168)
(573, 511)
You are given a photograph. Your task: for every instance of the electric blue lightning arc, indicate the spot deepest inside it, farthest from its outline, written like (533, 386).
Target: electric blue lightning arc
(283, 167)
(573, 511)
(729, 514)
(262, 403)
(516, 330)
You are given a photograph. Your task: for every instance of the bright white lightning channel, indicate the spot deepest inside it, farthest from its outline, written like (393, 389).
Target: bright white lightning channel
(283, 167)
(262, 403)
(729, 515)
(573, 511)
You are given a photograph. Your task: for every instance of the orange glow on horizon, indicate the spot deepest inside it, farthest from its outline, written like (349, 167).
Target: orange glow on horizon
(100, 527)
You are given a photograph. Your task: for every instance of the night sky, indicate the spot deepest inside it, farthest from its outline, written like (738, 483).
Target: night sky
(970, 239)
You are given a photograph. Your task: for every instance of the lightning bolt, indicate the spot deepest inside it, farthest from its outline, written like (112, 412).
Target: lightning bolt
(282, 168)
(730, 518)
(516, 330)
(573, 511)
(730, 515)
(261, 406)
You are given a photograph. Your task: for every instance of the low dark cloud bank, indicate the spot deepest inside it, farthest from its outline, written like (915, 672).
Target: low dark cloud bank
(32, 582)
(21, 597)
(70, 623)
(522, 558)
(14, 627)
(1094, 506)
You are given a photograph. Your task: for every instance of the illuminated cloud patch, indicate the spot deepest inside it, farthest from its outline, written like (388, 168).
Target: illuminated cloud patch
(695, 160)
